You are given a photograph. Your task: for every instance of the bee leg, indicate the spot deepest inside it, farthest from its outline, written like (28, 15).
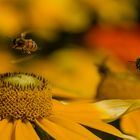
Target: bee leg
(28, 52)
(14, 46)
(23, 51)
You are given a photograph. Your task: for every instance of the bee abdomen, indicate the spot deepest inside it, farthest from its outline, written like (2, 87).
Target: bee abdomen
(32, 46)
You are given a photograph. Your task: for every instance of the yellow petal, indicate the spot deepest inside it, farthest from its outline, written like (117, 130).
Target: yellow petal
(60, 132)
(61, 93)
(74, 127)
(6, 130)
(107, 110)
(76, 110)
(3, 123)
(113, 109)
(24, 131)
(90, 114)
(130, 123)
(100, 125)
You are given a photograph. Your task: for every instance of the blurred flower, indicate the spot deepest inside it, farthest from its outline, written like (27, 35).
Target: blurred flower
(128, 87)
(122, 85)
(70, 71)
(6, 62)
(43, 17)
(27, 107)
(114, 12)
(10, 20)
(122, 42)
(66, 14)
(48, 17)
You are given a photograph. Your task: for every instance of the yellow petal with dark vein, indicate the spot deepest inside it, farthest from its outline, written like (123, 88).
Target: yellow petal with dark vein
(59, 132)
(73, 126)
(89, 116)
(102, 126)
(24, 131)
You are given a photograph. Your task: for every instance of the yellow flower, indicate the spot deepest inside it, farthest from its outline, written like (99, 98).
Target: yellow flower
(123, 85)
(130, 123)
(70, 71)
(26, 106)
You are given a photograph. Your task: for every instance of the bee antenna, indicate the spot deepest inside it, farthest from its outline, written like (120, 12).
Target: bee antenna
(23, 34)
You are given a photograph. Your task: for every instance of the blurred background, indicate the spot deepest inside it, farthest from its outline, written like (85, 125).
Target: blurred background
(78, 44)
(74, 38)
(110, 25)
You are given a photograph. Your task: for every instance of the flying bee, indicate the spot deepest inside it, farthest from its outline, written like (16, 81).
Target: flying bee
(135, 63)
(134, 66)
(138, 63)
(25, 45)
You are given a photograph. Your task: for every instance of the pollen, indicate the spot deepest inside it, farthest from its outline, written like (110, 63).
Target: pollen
(24, 96)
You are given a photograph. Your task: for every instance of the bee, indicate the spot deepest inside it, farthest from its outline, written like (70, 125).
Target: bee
(25, 45)
(135, 64)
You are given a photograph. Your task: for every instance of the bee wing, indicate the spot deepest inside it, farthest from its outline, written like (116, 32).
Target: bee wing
(24, 59)
(23, 34)
(131, 65)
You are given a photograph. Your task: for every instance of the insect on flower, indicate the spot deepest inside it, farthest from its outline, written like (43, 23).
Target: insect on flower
(25, 45)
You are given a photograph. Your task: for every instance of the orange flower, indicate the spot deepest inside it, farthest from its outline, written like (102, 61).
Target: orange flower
(121, 42)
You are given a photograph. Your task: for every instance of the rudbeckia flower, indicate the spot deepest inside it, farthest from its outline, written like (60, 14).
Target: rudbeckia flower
(26, 105)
